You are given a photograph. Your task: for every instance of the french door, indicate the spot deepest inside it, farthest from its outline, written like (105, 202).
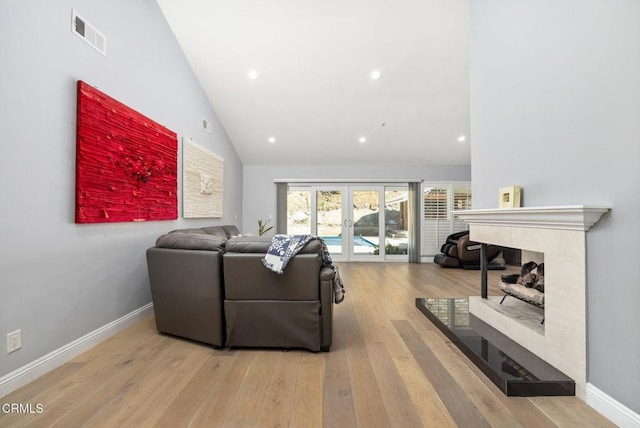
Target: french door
(358, 223)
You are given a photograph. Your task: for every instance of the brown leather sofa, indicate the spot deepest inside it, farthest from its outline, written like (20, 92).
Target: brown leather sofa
(266, 309)
(185, 274)
(210, 286)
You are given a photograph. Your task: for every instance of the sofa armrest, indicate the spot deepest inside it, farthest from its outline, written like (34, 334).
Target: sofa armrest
(326, 306)
(326, 273)
(187, 293)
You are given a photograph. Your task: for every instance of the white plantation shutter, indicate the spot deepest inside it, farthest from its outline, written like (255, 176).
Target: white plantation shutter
(439, 199)
(436, 224)
(461, 201)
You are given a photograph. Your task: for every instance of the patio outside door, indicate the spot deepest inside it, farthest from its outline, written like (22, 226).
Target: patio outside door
(351, 220)
(348, 219)
(365, 221)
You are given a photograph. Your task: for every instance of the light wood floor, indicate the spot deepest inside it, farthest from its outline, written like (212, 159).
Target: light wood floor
(389, 366)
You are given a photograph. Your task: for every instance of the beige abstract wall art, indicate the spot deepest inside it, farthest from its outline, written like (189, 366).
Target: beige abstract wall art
(202, 181)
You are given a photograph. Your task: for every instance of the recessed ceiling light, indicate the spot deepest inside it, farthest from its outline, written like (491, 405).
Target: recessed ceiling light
(362, 140)
(272, 140)
(375, 74)
(462, 139)
(253, 75)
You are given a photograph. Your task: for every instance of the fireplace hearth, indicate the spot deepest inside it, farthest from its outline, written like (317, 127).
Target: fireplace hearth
(513, 369)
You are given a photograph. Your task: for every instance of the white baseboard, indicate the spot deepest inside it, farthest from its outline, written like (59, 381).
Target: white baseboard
(612, 409)
(52, 360)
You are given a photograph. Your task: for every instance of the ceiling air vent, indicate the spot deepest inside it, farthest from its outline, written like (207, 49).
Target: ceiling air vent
(88, 33)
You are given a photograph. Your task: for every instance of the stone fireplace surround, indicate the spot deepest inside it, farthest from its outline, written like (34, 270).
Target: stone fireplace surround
(559, 232)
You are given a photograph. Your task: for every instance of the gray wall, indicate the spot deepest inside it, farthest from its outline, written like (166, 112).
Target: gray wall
(259, 194)
(60, 280)
(555, 108)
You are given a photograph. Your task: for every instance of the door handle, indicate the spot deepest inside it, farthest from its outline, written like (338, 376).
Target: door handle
(350, 223)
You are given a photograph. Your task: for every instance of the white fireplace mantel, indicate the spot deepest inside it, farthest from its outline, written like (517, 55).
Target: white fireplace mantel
(559, 234)
(568, 217)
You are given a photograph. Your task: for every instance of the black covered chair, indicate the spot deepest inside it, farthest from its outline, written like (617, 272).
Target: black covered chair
(460, 252)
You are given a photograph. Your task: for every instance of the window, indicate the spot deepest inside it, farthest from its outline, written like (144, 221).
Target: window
(436, 201)
(462, 198)
(439, 199)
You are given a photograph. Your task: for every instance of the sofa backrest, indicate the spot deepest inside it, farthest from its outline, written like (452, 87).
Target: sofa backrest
(212, 238)
(187, 240)
(215, 231)
(260, 244)
(230, 230)
(247, 278)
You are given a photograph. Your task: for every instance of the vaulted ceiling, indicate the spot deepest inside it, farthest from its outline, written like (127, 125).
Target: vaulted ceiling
(299, 72)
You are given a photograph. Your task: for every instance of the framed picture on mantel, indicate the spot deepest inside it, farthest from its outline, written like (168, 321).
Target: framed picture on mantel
(509, 197)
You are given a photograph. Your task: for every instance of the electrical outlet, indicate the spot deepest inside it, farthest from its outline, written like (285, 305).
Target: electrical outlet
(14, 341)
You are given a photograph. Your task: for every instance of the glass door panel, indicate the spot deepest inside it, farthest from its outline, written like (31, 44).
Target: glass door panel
(299, 212)
(396, 225)
(330, 220)
(365, 222)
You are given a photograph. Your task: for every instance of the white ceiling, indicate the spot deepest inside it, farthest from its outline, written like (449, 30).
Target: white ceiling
(314, 92)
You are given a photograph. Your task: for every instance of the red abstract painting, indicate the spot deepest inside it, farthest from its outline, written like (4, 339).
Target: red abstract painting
(126, 164)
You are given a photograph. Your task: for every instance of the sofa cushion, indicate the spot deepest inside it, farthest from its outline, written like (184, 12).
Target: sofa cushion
(249, 244)
(188, 230)
(230, 230)
(215, 231)
(191, 241)
(260, 244)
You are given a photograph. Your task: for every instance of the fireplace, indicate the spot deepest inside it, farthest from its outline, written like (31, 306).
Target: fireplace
(558, 234)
